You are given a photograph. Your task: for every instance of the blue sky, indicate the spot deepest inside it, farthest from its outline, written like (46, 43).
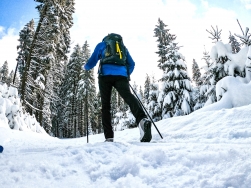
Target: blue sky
(135, 20)
(16, 13)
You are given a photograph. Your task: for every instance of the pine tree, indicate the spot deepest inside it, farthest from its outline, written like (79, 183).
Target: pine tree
(87, 93)
(196, 98)
(176, 84)
(47, 52)
(69, 91)
(215, 71)
(154, 109)
(60, 14)
(4, 72)
(236, 47)
(146, 90)
(141, 95)
(196, 73)
(10, 78)
(163, 38)
(207, 89)
(25, 40)
(135, 87)
(217, 68)
(245, 37)
(96, 120)
(98, 114)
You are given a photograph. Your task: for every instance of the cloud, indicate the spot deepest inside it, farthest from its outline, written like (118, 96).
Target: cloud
(247, 4)
(135, 21)
(8, 47)
(204, 3)
(1, 30)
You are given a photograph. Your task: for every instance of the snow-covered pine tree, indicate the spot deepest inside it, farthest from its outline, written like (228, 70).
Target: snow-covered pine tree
(4, 72)
(10, 78)
(25, 40)
(236, 47)
(176, 84)
(198, 82)
(146, 90)
(221, 56)
(245, 37)
(207, 88)
(215, 71)
(47, 53)
(98, 114)
(96, 122)
(196, 73)
(60, 15)
(196, 77)
(87, 95)
(28, 86)
(68, 114)
(163, 38)
(153, 107)
(141, 95)
(135, 88)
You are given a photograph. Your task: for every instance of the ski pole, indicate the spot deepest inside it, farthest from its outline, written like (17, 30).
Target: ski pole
(145, 110)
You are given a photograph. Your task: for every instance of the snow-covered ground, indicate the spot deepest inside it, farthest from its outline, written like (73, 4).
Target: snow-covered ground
(203, 149)
(210, 148)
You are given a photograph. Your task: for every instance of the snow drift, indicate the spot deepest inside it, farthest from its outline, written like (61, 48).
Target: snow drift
(12, 114)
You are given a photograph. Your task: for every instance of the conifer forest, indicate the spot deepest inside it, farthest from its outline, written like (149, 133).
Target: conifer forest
(63, 97)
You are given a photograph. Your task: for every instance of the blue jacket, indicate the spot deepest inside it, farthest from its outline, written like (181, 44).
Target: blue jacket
(109, 69)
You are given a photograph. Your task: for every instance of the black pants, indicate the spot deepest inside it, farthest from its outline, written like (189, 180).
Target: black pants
(121, 84)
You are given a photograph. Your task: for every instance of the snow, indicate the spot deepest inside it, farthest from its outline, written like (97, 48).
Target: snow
(39, 81)
(248, 65)
(231, 92)
(12, 114)
(236, 62)
(220, 50)
(185, 107)
(207, 148)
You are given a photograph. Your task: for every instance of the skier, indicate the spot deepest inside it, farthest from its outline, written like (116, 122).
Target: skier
(116, 65)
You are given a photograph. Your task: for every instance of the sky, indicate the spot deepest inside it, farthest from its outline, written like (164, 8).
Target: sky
(207, 148)
(210, 147)
(135, 21)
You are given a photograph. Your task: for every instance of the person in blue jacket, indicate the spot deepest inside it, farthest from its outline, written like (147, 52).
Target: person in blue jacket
(117, 76)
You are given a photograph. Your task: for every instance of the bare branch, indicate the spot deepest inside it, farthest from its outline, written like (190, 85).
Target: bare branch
(215, 33)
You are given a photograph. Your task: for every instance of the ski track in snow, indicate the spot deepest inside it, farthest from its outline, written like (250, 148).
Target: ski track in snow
(203, 149)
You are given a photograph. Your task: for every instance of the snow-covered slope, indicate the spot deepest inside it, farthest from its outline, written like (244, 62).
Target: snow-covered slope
(203, 149)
